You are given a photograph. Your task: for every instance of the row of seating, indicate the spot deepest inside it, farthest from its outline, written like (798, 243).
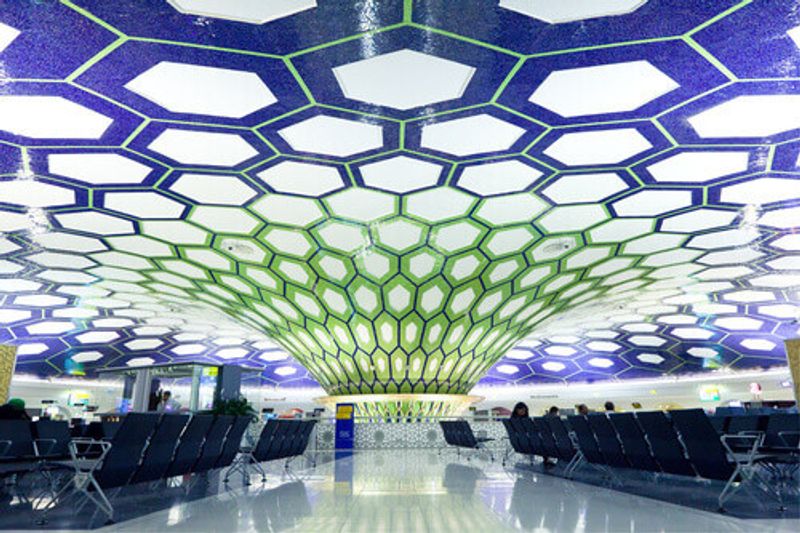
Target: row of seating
(148, 447)
(279, 439)
(22, 443)
(731, 410)
(771, 425)
(682, 443)
(96, 430)
(458, 433)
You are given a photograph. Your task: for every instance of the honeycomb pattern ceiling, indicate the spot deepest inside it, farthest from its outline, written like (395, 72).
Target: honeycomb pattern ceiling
(386, 196)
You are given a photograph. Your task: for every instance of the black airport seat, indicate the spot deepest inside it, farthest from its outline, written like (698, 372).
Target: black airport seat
(459, 433)
(607, 440)
(214, 442)
(291, 437)
(190, 445)
(664, 442)
(466, 437)
(529, 438)
(712, 456)
(683, 442)
(16, 441)
(115, 465)
(548, 440)
(586, 439)
(233, 442)
(447, 431)
(266, 441)
(451, 432)
(531, 431)
(743, 423)
(637, 450)
(52, 438)
(563, 442)
(127, 446)
(304, 438)
(279, 439)
(102, 430)
(17, 447)
(702, 444)
(719, 422)
(517, 436)
(158, 455)
(783, 430)
(77, 428)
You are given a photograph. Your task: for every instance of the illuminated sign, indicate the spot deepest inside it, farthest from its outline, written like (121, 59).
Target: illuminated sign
(709, 393)
(77, 398)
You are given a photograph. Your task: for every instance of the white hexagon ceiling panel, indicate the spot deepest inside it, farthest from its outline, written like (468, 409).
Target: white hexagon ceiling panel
(410, 201)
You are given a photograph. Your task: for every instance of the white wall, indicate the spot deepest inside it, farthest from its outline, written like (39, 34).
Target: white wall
(283, 399)
(104, 394)
(651, 393)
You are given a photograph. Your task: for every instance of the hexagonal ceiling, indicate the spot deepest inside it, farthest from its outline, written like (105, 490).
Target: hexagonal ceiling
(392, 196)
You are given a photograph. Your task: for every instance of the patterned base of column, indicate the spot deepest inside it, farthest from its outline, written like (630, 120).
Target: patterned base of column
(8, 358)
(403, 406)
(793, 357)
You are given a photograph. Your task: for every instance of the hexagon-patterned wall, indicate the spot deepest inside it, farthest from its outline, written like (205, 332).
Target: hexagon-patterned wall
(400, 195)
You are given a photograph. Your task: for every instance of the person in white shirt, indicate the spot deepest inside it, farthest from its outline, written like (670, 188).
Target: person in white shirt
(167, 404)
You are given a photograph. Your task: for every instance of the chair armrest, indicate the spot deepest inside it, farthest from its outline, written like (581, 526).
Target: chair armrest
(37, 447)
(749, 432)
(89, 444)
(574, 438)
(783, 434)
(752, 442)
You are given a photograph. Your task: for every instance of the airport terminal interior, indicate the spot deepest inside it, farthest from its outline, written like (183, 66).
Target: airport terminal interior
(400, 265)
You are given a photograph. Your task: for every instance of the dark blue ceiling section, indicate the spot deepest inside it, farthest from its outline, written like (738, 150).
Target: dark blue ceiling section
(693, 75)
(109, 76)
(59, 38)
(121, 122)
(753, 42)
(487, 21)
(491, 68)
(331, 20)
(111, 287)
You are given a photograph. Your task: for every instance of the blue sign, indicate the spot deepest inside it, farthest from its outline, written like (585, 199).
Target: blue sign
(345, 426)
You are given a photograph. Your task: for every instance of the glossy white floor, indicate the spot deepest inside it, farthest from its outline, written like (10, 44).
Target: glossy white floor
(398, 491)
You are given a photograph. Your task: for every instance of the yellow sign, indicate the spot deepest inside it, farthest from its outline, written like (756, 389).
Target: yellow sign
(8, 358)
(78, 397)
(344, 412)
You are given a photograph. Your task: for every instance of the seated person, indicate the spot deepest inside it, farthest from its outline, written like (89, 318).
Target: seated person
(167, 404)
(14, 410)
(520, 411)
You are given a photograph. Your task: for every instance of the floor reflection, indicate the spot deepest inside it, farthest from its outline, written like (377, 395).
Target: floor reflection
(405, 490)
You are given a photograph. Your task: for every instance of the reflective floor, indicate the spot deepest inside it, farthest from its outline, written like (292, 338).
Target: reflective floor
(418, 490)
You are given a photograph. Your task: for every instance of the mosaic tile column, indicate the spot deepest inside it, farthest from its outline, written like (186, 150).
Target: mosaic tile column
(397, 223)
(793, 356)
(8, 358)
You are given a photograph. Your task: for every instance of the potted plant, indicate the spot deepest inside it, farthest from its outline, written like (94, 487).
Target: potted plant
(234, 406)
